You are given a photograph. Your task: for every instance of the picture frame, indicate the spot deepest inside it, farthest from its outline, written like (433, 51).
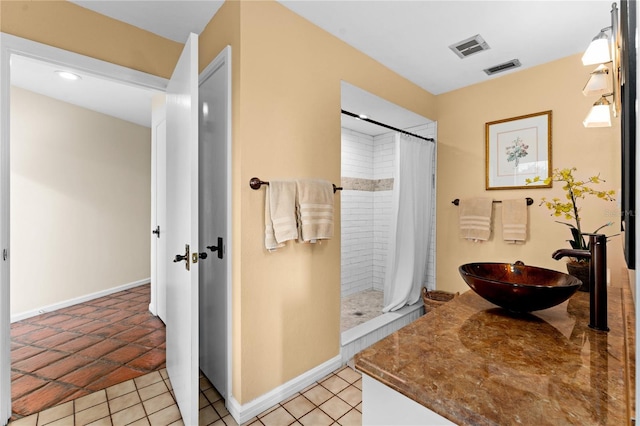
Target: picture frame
(518, 149)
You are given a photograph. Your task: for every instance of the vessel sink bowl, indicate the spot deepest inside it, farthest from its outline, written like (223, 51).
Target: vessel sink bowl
(518, 287)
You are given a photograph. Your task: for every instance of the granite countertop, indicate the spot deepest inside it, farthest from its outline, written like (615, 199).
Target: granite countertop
(475, 364)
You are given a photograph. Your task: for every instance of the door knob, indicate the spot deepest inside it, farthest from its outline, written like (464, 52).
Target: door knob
(156, 231)
(202, 255)
(185, 257)
(219, 248)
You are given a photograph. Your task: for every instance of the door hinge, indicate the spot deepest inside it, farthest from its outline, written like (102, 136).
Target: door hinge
(4, 254)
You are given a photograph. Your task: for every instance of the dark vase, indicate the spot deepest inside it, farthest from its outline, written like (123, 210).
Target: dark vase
(580, 270)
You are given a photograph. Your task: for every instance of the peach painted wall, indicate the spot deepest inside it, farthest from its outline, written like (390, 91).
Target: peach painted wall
(462, 115)
(286, 113)
(71, 27)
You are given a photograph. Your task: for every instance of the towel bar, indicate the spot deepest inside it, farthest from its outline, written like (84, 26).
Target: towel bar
(256, 183)
(457, 201)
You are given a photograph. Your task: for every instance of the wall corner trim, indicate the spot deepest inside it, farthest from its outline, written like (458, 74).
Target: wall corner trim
(243, 413)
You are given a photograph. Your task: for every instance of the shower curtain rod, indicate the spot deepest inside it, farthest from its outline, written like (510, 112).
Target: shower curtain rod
(377, 123)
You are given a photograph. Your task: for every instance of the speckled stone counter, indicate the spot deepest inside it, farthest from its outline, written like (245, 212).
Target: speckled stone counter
(475, 364)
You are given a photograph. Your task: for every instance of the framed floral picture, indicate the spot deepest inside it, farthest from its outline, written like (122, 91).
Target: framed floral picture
(516, 149)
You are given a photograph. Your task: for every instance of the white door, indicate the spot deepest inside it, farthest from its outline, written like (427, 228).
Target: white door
(159, 256)
(214, 178)
(182, 231)
(5, 351)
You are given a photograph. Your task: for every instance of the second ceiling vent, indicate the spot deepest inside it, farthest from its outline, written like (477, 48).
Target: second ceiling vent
(506, 66)
(470, 46)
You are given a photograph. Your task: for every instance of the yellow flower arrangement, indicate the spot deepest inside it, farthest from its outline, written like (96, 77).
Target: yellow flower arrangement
(575, 190)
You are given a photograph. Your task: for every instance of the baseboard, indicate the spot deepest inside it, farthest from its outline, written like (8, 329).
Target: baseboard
(244, 413)
(75, 301)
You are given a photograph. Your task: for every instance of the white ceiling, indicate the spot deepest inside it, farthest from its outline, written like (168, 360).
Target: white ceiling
(409, 37)
(413, 37)
(125, 102)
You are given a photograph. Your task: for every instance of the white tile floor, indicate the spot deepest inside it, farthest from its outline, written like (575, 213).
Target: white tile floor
(148, 400)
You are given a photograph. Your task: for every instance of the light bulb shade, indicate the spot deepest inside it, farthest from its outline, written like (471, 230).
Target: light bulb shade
(598, 82)
(599, 116)
(598, 51)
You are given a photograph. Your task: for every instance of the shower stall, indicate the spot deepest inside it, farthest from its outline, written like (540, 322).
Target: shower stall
(366, 211)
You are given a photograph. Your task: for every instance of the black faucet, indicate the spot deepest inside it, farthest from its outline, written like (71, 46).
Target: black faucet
(597, 253)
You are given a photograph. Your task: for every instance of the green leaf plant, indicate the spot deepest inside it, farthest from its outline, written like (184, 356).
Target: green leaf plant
(574, 191)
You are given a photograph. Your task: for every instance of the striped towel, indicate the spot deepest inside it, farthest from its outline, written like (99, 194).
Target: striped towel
(475, 218)
(514, 220)
(280, 214)
(315, 209)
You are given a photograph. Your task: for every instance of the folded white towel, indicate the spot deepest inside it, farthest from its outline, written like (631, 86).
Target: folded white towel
(269, 237)
(315, 209)
(475, 218)
(514, 220)
(280, 214)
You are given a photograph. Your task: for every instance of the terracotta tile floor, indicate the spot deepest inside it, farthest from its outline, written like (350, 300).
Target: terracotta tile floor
(75, 351)
(102, 363)
(148, 400)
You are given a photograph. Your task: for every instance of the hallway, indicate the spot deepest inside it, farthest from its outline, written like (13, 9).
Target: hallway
(72, 352)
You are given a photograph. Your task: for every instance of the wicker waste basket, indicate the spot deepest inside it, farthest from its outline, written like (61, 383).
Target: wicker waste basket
(435, 298)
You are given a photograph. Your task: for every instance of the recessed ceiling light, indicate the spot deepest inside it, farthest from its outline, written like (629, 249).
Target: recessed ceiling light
(68, 75)
(363, 116)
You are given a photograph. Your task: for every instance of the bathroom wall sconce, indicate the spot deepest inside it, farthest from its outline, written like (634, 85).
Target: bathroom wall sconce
(598, 82)
(603, 49)
(598, 50)
(600, 114)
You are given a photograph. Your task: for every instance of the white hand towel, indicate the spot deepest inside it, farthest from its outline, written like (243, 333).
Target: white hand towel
(315, 209)
(280, 214)
(269, 237)
(475, 218)
(514, 220)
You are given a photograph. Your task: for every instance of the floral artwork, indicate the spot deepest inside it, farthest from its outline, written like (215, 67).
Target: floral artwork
(517, 151)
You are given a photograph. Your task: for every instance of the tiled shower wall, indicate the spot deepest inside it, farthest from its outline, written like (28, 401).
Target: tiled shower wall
(367, 176)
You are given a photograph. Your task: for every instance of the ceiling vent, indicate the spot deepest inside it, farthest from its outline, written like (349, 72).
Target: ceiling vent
(470, 46)
(514, 63)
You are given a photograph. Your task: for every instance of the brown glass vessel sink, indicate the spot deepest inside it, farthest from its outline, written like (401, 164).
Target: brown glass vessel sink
(518, 287)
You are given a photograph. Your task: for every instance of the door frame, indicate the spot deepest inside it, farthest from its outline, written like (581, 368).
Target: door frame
(158, 182)
(10, 45)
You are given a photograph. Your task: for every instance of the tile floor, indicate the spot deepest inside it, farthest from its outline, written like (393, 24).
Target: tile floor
(360, 307)
(75, 351)
(102, 363)
(147, 400)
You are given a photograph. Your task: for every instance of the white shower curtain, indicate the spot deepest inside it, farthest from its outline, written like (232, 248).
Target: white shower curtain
(410, 228)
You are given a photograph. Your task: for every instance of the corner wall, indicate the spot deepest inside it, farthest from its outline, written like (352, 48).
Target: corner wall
(286, 124)
(70, 27)
(80, 201)
(462, 115)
